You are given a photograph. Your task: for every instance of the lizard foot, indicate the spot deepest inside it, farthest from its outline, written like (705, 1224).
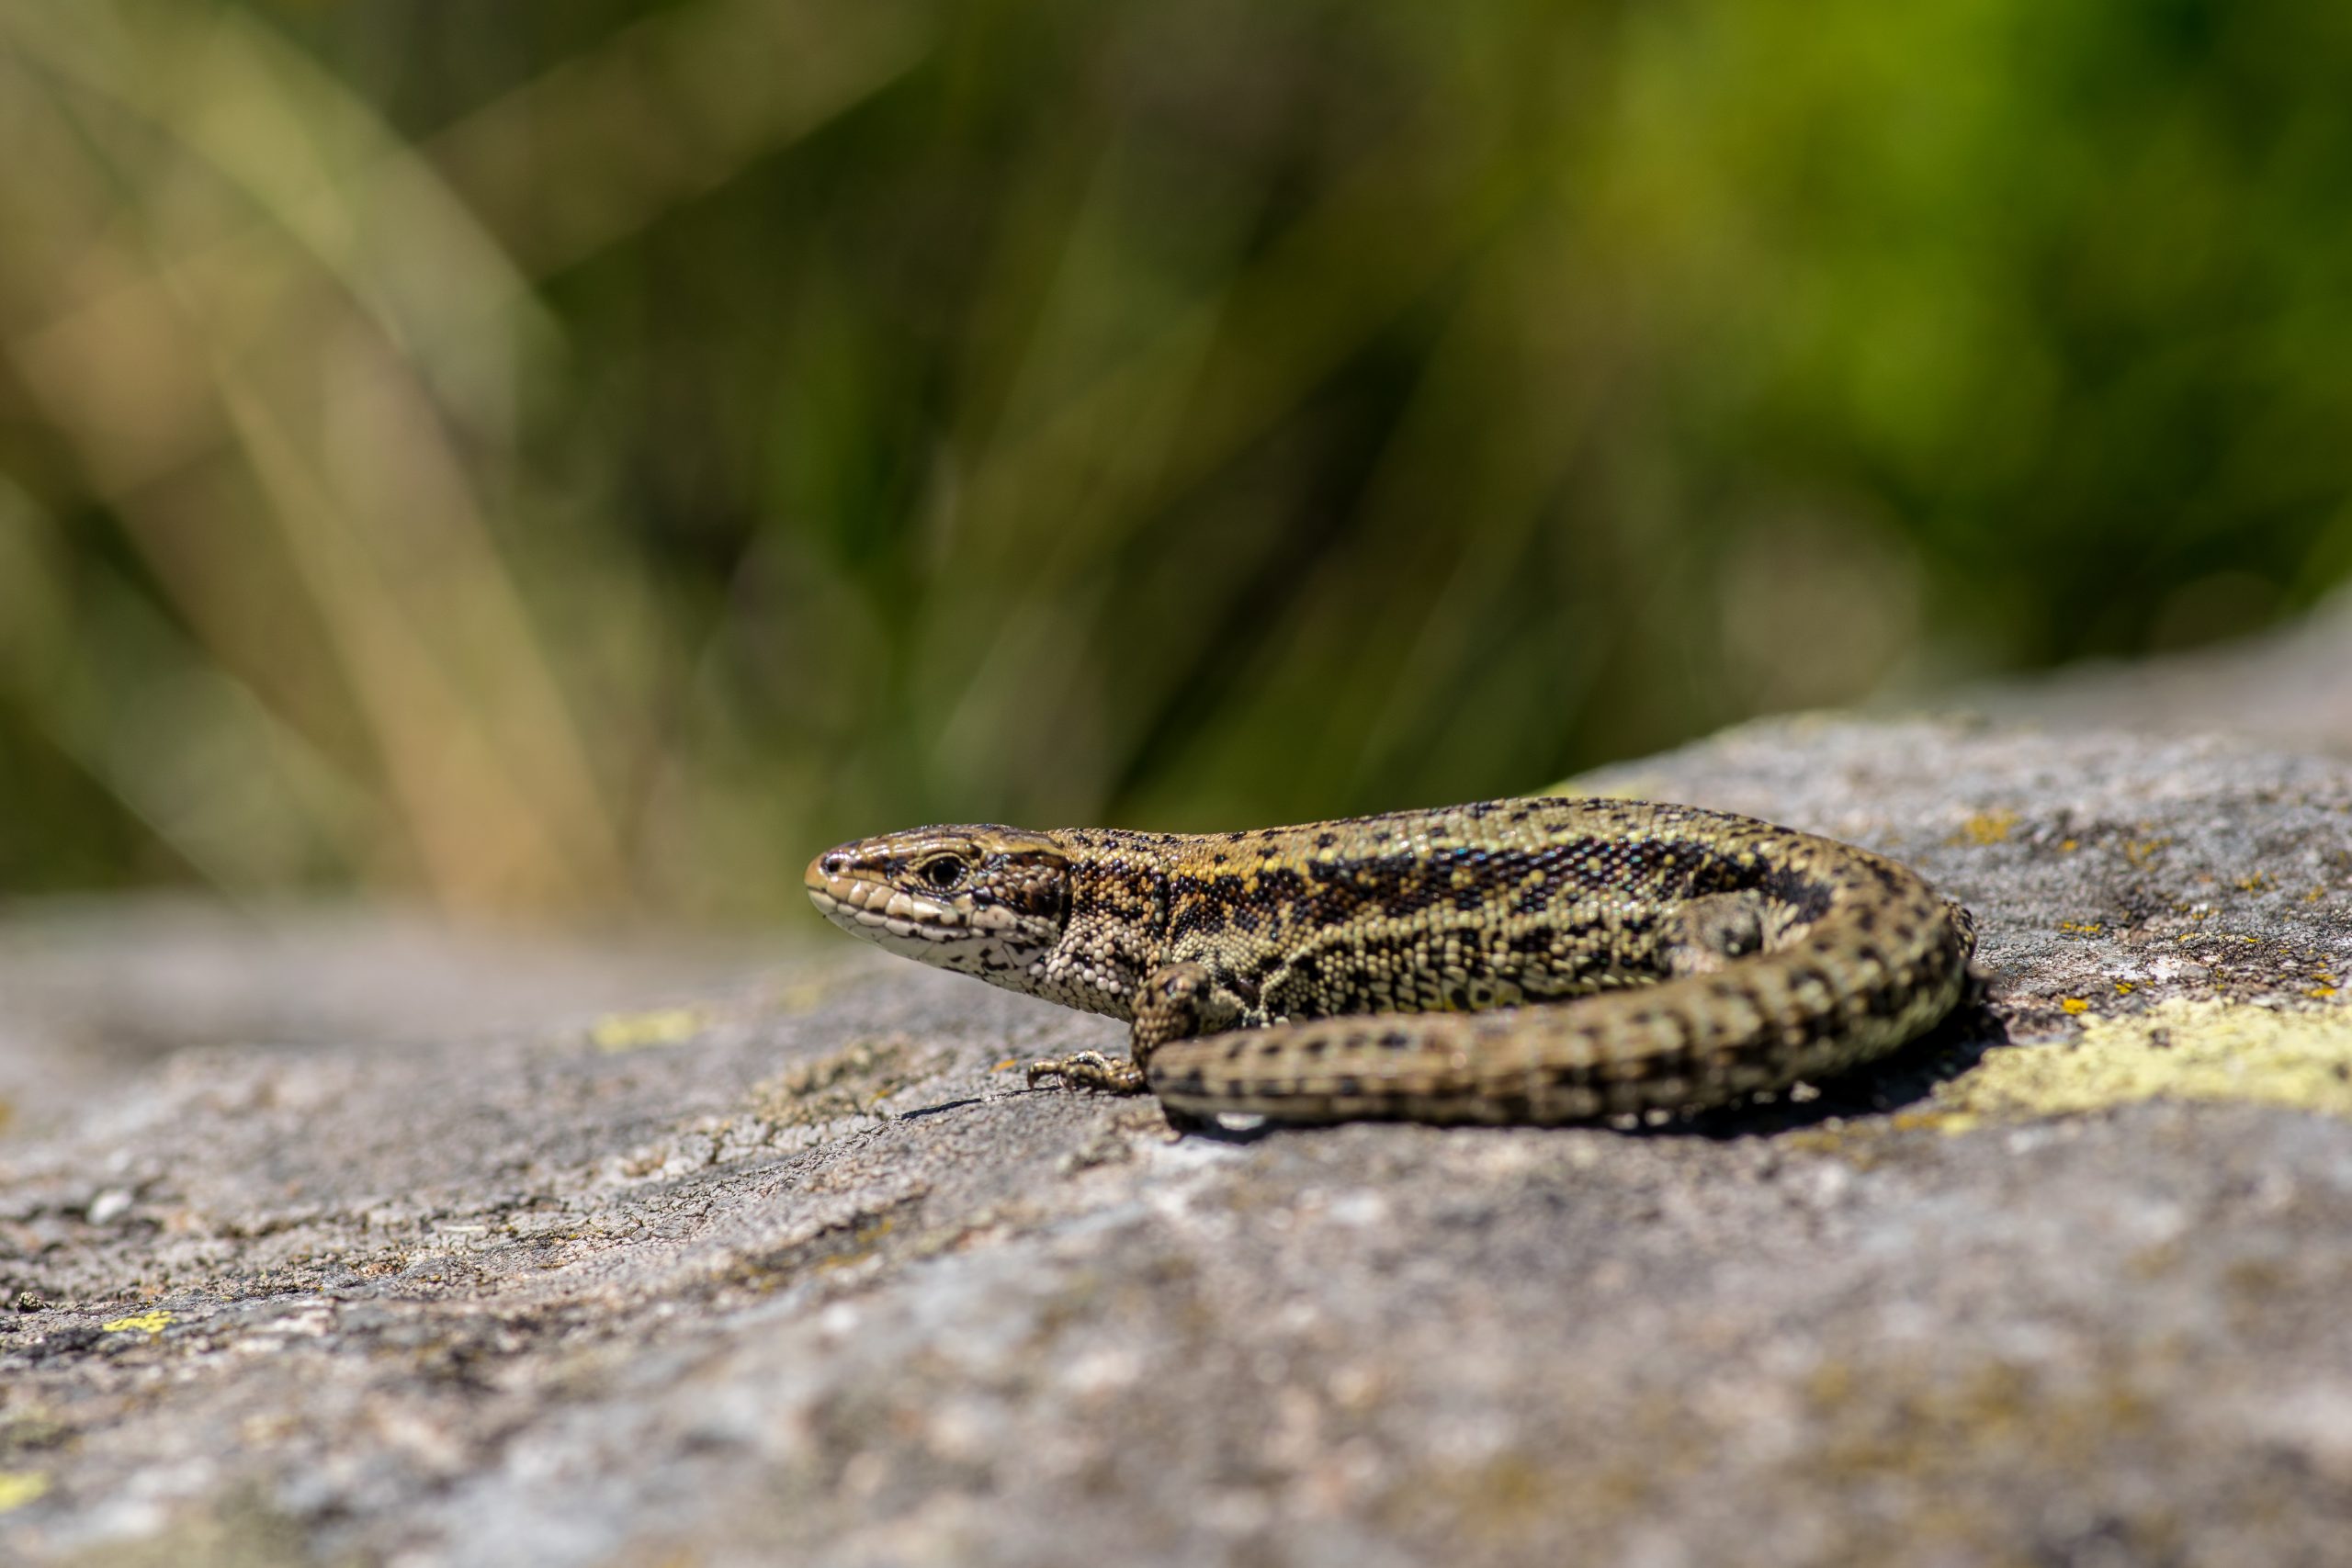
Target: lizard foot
(1089, 1070)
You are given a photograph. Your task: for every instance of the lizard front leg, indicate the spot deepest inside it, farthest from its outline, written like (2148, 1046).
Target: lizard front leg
(1176, 1001)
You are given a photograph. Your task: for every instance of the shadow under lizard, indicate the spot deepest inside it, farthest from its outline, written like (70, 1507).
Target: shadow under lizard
(1511, 961)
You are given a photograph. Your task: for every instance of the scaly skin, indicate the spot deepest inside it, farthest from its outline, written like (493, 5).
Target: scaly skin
(1537, 961)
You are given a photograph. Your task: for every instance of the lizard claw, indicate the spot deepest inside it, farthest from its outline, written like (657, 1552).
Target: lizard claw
(1089, 1070)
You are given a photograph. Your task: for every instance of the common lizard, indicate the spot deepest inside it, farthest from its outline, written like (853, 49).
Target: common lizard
(1526, 960)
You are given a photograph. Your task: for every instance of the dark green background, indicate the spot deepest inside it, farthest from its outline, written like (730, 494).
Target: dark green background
(590, 456)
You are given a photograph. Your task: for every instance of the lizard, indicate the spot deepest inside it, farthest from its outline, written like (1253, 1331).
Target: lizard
(1538, 960)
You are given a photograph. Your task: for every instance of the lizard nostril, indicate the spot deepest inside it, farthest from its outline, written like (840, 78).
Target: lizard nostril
(834, 863)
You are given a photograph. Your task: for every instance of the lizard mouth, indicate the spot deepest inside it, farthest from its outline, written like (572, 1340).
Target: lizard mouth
(871, 907)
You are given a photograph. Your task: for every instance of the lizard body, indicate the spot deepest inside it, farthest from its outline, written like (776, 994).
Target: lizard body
(1525, 960)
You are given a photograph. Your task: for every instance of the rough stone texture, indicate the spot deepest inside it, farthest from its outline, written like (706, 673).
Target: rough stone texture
(793, 1269)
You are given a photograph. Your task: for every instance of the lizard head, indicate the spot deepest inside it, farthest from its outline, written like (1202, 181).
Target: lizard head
(983, 899)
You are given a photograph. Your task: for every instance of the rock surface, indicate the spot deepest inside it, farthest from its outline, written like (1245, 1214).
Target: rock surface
(2288, 688)
(794, 1269)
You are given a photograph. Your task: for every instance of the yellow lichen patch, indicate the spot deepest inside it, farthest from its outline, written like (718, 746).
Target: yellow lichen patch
(804, 995)
(2074, 1004)
(1987, 827)
(1939, 1121)
(18, 1487)
(636, 1030)
(2182, 1049)
(145, 1322)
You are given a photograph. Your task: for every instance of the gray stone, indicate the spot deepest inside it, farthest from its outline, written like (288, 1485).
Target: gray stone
(794, 1269)
(2288, 688)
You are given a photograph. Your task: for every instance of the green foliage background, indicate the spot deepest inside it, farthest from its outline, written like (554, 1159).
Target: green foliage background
(570, 456)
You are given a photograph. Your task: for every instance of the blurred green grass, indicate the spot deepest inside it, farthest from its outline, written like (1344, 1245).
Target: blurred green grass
(566, 459)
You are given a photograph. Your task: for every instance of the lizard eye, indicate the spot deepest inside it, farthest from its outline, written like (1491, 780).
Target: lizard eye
(943, 873)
